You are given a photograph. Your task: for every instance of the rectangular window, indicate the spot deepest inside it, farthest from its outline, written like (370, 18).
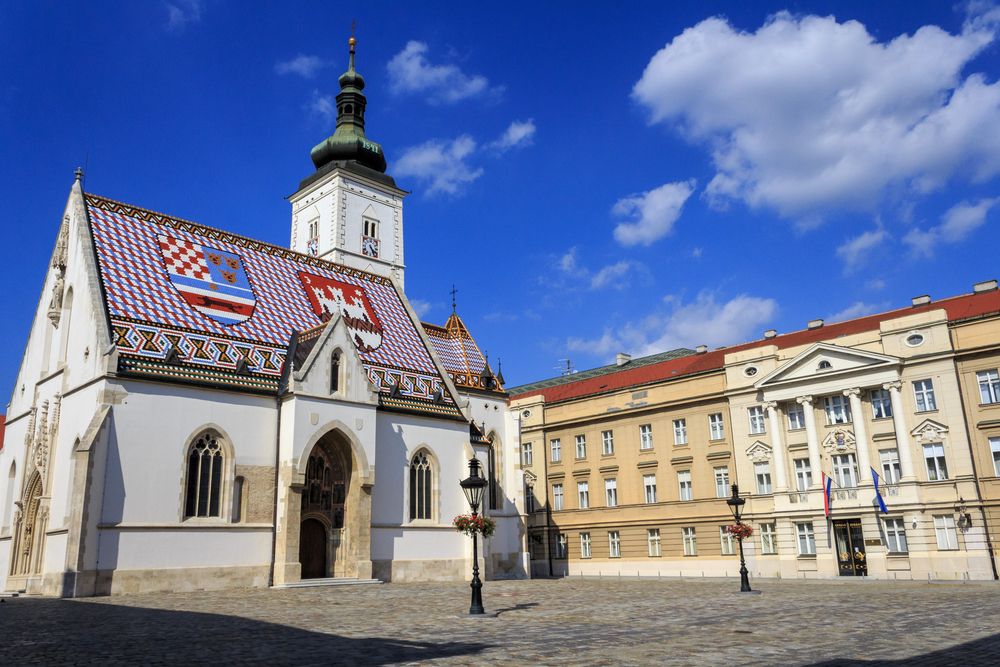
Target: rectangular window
(690, 542)
(646, 436)
(845, 470)
(721, 482)
(768, 539)
(936, 468)
(680, 432)
(649, 484)
(526, 454)
(716, 427)
(838, 409)
(608, 442)
(807, 539)
(944, 528)
(562, 546)
(529, 499)
(727, 542)
(583, 492)
(881, 404)
(756, 415)
(611, 492)
(584, 545)
(895, 535)
(653, 541)
(614, 544)
(796, 416)
(989, 386)
(556, 446)
(762, 471)
(581, 446)
(684, 481)
(995, 449)
(803, 475)
(557, 497)
(890, 465)
(923, 391)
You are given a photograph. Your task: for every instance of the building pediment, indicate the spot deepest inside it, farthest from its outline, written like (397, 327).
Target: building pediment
(839, 442)
(929, 431)
(824, 359)
(759, 452)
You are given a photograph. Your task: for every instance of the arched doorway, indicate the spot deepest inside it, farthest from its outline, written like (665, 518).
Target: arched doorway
(29, 529)
(324, 498)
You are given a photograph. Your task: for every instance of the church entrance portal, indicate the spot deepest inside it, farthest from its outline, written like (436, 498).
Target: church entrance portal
(312, 549)
(324, 497)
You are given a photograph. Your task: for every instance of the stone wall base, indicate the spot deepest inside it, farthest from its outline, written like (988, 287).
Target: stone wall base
(185, 579)
(454, 569)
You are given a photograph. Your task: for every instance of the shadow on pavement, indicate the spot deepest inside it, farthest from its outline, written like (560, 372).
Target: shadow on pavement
(33, 632)
(980, 652)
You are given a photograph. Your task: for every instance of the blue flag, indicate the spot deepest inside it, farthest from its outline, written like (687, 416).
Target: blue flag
(878, 494)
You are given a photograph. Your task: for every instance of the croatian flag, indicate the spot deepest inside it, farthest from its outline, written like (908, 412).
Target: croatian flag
(878, 494)
(827, 490)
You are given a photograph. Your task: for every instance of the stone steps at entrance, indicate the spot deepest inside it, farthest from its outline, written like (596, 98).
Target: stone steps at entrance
(329, 581)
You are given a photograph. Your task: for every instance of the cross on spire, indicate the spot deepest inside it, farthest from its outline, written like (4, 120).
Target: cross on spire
(453, 303)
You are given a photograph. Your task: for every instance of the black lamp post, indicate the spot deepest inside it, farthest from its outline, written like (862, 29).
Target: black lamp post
(474, 486)
(736, 507)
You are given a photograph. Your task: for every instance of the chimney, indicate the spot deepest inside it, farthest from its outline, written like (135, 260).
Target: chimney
(770, 333)
(985, 286)
(622, 358)
(814, 324)
(701, 349)
(921, 300)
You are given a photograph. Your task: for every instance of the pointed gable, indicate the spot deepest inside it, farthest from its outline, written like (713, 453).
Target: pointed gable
(228, 306)
(825, 359)
(458, 351)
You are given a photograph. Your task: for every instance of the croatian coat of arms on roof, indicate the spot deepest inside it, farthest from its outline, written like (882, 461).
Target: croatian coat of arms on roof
(329, 296)
(212, 281)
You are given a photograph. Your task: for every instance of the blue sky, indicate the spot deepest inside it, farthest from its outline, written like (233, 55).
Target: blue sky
(627, 177)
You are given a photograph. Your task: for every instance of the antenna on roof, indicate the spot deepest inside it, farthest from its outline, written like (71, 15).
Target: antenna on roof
(565, 367)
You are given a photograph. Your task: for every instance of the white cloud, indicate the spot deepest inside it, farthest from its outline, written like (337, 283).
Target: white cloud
(303, 65)
(181, 13)
(875, 284)
(807, 114)
(411, 72)
(854, 252)
(696, 252)
(611, 274)
(420, 307)
(569, 273)
(649, 216)
(676, 324)
(441, 163)
(324, 106)
(518, 134)
(856, 309)
(957, 224)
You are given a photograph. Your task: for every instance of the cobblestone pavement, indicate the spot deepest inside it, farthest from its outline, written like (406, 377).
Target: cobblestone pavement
(540, 622)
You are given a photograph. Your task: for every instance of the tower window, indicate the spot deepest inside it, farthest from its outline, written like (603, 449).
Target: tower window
(370, 228)
(348, 108)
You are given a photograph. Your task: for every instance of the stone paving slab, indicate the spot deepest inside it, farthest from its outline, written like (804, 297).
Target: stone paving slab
(539, 622)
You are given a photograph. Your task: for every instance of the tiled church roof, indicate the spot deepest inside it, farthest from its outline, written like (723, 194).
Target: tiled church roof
(459, 353)
(189, 302)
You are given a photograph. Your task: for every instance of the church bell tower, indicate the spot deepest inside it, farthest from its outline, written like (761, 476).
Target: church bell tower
(349, 210)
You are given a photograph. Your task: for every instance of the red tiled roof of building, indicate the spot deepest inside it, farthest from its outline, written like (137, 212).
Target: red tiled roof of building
(958, 308)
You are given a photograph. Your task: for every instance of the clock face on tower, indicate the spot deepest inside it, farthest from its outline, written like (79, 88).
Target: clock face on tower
(369, 246)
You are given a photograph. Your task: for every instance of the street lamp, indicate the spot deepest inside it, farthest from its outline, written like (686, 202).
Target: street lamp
(474, 486)
(736, 507)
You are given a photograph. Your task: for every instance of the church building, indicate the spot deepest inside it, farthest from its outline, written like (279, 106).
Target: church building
(196, 409)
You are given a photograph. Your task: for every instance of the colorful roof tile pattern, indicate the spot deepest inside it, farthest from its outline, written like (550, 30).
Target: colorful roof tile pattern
(194, 303)
(459, 353)
(958, 308)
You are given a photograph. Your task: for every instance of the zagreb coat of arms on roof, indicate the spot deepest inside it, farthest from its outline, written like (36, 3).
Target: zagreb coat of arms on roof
(213, 282)
(328, 297)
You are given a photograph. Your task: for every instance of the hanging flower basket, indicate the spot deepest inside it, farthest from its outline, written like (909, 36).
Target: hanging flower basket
(470, 524)
(740, 531)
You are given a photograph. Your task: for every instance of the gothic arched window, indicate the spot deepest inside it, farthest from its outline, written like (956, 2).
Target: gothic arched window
(335, 373)
(206, 464)
(420, 487)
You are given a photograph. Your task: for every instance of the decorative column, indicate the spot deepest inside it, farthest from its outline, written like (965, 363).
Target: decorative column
(812, 438)
(860, 434)
(906, 473)
(777, 447)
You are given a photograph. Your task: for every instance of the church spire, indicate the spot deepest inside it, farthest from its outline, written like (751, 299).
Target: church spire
(348, 142)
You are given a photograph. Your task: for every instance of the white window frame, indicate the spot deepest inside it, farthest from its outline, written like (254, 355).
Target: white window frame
(562, 546)
(923, 395)
(845, 470)
(838, 410)
(895, 535)
(684, 486)
(796, 415)
(716, 426)
(614, 544)
(937, 466)
(611, 492)
(881, 404)
(527, 455)
(762, 474)
(995, 450)
(689, 537)
(890, 465)
(806, 538)
(680, 432)
(608, 442)
(584, 545)
(649, 487)
(803, 475)
(768, 539)
(583, 495)
(558, 497)
(721, 481)
(989, 386)
(653, 542)
(581, 446)
(555, 450)
(755, 414)
(726, 541)
(645, 437)
(946, 532)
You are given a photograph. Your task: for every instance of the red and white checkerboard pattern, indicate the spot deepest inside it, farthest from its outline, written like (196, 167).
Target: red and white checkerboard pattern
(184, 258)
(138, 287)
